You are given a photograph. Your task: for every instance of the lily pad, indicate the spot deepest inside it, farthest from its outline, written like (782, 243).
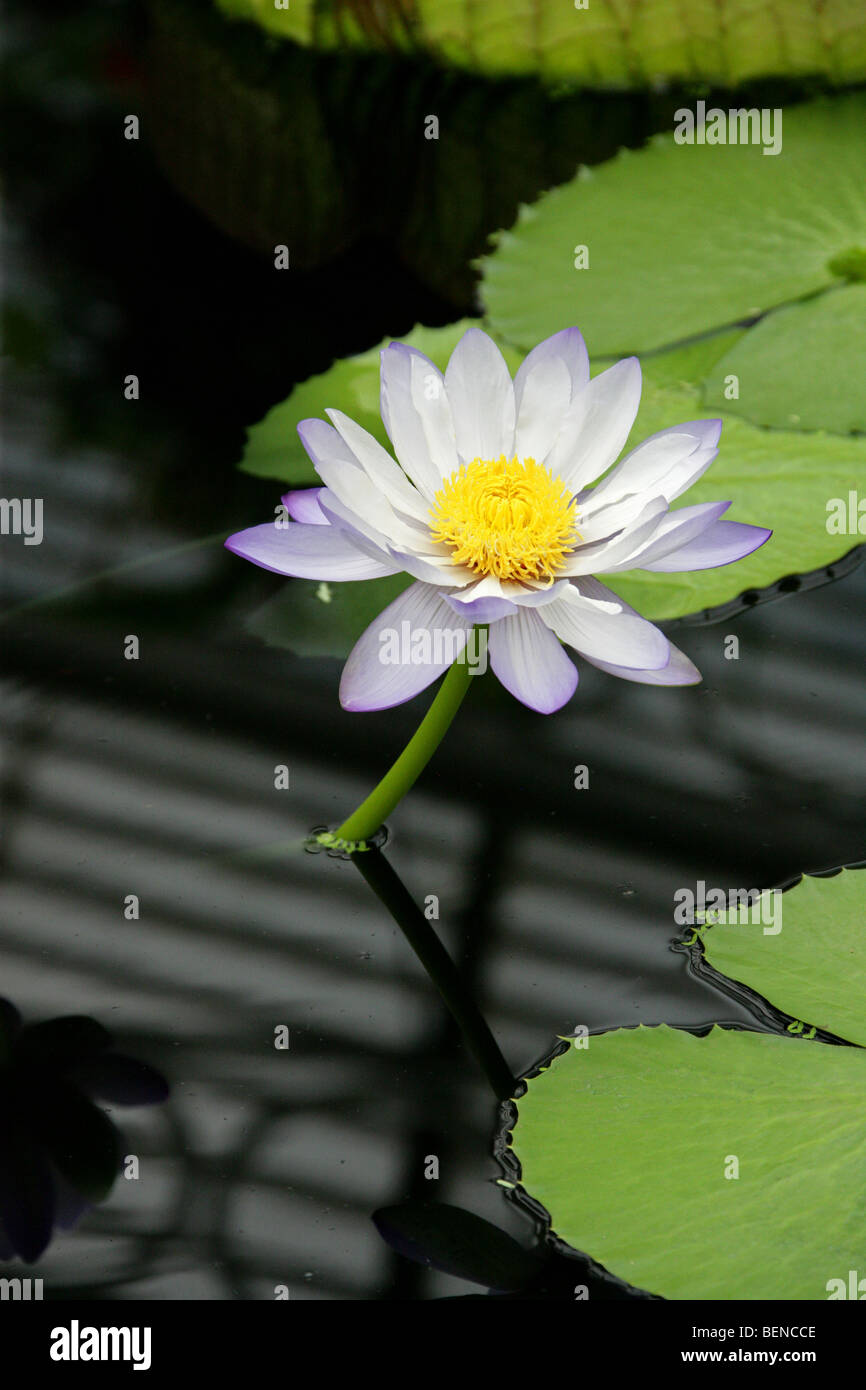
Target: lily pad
(729, 1166)
(684, 239)
(775, 366)
(824, 988)
(627, 1144)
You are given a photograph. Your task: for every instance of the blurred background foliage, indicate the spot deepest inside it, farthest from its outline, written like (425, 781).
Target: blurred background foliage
(599, 43)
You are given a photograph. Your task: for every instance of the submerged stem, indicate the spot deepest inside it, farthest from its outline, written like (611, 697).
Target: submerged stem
(375, 809)
(395, 897)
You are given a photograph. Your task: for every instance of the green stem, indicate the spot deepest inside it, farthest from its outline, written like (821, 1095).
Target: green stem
(395, 897)
(377, 807)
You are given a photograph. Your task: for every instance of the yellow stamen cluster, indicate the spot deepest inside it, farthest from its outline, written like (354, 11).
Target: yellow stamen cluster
(505, 517)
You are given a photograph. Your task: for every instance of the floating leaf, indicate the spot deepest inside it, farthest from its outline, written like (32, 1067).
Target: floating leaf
(684, 239)
(814, 968)
(729, 1166)
(802, 367)
(626, 1143)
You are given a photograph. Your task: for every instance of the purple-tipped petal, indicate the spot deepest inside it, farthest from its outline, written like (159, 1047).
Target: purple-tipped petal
(530, 662)
(481, 395)
(481, 610)
(302, 504)
(361, 501)
(678, 671)
(484, 601)
(404, 649)
(675, 530)
(721, 544)
(308, 552)
(597, 626)
(566, 347)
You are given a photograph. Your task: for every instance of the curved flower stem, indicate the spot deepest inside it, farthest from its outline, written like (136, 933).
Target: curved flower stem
(374, 811)
(395, 897)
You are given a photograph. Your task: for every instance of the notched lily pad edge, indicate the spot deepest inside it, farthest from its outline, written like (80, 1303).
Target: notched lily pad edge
(774, 1019)
(796, 583)
(511, 1185)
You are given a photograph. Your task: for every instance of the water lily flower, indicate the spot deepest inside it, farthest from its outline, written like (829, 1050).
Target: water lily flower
(504, 503)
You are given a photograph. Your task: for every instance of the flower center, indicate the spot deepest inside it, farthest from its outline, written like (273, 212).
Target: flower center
(505, 517)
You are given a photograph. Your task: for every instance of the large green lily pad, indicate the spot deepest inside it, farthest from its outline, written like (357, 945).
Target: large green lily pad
(685, 239)
(731, 1166)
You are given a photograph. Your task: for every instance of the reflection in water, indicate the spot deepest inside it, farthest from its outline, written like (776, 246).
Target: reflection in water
(58, 1151)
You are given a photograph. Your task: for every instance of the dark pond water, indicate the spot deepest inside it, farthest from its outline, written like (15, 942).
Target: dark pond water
(155, 777)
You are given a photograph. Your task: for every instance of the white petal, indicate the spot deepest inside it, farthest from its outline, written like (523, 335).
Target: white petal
(544, 399)
(432, 569)
(600, 628)
(481, 395)
(679, 671)
(377, 463)
(664, 464)
(603, 523)
(676, 529)
(597, 425)
(350, 492)
(567, 347)
(417, 416)
(603, 555)
(535, 595)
